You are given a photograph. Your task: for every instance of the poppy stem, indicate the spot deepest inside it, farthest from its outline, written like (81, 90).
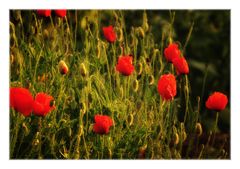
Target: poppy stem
(215, 128)
(40, 137)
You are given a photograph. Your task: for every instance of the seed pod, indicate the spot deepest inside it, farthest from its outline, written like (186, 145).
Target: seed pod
(151, 80)
(63, 67)
(198, 129)
(83, 70)
(135, 85)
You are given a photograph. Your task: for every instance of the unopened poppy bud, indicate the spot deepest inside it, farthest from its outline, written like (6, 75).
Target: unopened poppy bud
(145, 22)
(176, 138)
(80, 131)
(35, 142)
(142, 151)
(11, 58)
(130, 119)
(151, 80)
(140, 32)
(45, 33)
(139, 68)
(98, 50)
(184, 136)
(83, 70)
(26, 130)
(135, 85)
(63, 67)
(83, 107)
(198, 129)
(121, 92)
(83, 23)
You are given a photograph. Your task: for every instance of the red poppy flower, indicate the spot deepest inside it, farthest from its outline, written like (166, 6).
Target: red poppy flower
(167, 87)
(171, 52)
(21, 100)
(102, 124)
(181, 65)
(43, 104)
(44, 12)
(124, 65)
(61, 12)
(217, 101)
(109, 34)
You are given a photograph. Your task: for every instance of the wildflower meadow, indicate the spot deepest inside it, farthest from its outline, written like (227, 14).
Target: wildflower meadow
(119, 84)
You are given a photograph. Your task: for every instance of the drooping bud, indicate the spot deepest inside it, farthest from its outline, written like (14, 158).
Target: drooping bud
(176, 138)
(139, 68)
(63, 68)
(83, 70)
(198, 129)
(135, 85)
(151, 80)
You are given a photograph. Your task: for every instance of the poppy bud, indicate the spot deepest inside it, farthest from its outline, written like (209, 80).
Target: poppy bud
(142, 152)
(98, 50)
(83, 107)
(26, 130)
(139, 68)
(63, 67)
(140, 32)
(198, 129)
(35, 142)
(11, 58)
(121, 92)
(176, 138)
(120, 35)
(130, 119)
(135, 85)
(184, 136)
(145, 22)
(83, 70)
(151, 80)
(83, 23)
